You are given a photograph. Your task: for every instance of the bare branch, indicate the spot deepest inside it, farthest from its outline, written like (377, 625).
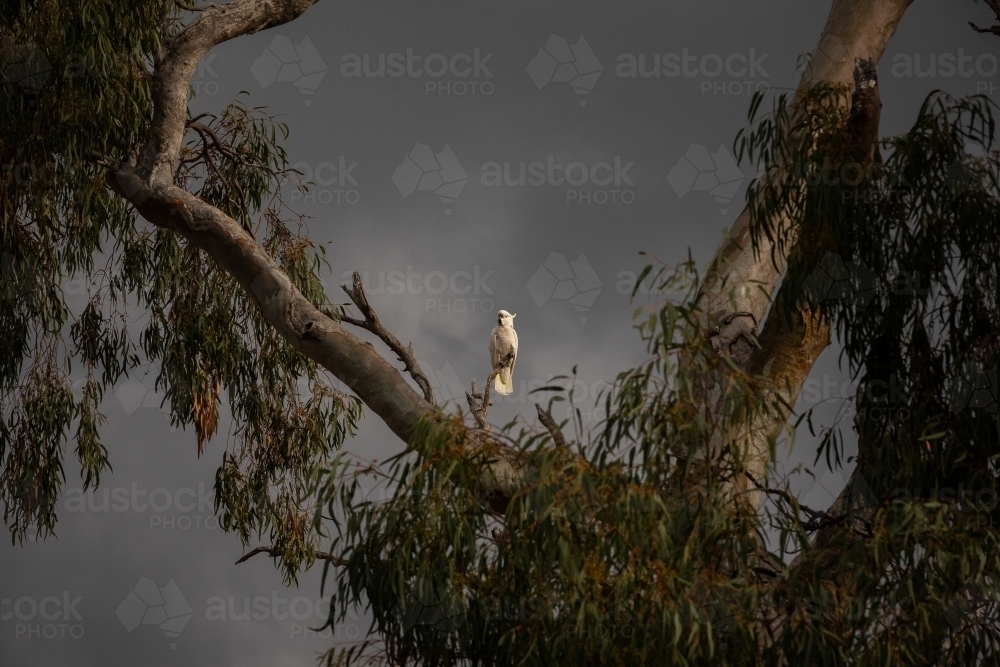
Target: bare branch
(549, 423)
(818, 520)
(320, 555)
(480, 404)
(373, 324)
(995, 6)
(993, 29)
(182, 53)
(206, 131)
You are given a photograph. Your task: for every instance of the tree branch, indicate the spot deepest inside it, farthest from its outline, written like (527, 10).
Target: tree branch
(741, 280)
(207, 131)
(320, 555)
(995, 6)
(181, 55)
(740, 283)
(479, 403)
(192, 8)
(549, 423)
(372, 323)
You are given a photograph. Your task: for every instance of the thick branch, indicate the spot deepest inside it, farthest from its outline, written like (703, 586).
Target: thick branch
(740, 283)
(213, 26)
(306, 328)
(740, 280)
(796, 332)
(372, 323)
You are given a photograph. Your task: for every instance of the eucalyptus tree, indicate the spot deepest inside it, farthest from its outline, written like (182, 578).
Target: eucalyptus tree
(640, 542)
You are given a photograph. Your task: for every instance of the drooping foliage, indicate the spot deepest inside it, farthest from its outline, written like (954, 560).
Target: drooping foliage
(75, 96)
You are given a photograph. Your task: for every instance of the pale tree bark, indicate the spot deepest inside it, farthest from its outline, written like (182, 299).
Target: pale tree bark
(738, 288)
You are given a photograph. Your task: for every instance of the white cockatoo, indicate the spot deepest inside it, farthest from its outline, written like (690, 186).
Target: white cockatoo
(503, 351)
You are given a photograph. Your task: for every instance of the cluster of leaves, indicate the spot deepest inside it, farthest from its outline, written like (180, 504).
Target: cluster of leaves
(72, 80)
(76, 94)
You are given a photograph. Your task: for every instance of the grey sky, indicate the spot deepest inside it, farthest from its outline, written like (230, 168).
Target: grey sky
(503, 234)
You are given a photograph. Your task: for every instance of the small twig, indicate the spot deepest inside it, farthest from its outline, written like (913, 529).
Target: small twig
(372, 323)
(817, 521)
(233, 185)
(994, 29)
(320, 555)
(200, 116)
(549, 423)
(206, 131)
(480, 404)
